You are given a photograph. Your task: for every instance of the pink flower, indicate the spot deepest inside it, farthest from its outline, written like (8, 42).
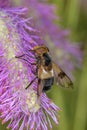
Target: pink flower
(20, 106)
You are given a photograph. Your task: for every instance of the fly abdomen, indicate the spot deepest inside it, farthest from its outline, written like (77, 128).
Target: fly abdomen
(47, 83)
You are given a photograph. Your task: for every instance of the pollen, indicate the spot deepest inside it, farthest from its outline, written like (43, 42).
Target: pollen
(8, 35)
(32, 101)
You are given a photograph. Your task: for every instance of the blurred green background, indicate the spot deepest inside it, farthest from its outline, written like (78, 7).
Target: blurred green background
(73, 103)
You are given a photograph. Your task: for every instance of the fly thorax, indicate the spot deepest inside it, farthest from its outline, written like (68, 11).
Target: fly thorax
(47, 74)
(47, 59)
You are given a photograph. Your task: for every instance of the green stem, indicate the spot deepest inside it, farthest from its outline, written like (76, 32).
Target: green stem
(81, 108)
(72, 13)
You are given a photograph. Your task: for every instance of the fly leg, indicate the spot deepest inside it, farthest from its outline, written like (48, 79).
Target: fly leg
(31, 83)
(39, 88)
(22, 58)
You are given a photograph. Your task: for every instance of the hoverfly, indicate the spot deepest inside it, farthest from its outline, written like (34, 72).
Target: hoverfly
(47, 71)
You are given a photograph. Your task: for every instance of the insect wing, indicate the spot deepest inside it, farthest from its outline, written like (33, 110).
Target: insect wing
(61, 78)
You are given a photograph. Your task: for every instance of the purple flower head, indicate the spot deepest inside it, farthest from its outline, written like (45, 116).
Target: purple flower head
(57, 38)
(18, 105)
(4, 3)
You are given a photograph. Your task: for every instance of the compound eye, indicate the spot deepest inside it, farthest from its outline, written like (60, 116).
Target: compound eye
(48, 49)
(44, 54)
